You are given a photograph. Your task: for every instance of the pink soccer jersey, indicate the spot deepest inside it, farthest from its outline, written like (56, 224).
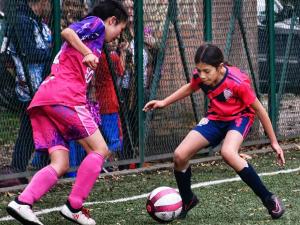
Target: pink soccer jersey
(229, 99)
(67, 83)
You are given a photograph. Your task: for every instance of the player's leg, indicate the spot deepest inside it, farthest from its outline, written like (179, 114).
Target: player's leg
(201, 136)
(87, 175)
(205, 133)
(86, 131)
(190, 145)
(39, 185)
(44, 132)
(229, 152)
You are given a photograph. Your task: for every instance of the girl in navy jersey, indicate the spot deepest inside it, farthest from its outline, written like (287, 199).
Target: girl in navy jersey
(230, 115)
(59, 114)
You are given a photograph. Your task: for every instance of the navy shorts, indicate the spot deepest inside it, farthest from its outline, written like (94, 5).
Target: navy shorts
(215, 130)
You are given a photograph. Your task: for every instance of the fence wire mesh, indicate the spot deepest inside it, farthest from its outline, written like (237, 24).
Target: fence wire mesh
(26, 52)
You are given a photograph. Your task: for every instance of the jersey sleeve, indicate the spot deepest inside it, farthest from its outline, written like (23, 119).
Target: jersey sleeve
(195, 81)
(246, 93)
(89, 28)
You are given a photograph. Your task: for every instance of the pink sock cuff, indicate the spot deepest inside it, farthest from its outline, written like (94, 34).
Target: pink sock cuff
(98, 154)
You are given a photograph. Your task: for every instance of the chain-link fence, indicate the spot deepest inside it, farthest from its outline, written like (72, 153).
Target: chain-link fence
(267, 49)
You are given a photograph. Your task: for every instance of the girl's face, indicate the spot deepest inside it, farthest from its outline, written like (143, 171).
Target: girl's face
(210, 75)
(113, 29)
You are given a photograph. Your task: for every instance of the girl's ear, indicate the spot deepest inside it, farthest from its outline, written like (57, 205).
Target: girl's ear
(220, 66)
(113, 20)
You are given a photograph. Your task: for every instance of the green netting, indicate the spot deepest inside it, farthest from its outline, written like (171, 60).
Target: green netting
(25, 58)
(177, 27)
(180, 117)
(286, 63)
(238, 28)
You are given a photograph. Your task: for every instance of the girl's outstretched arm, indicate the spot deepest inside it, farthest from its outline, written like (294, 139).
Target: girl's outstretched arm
(177, 95)
(73, 39)
(267, 125)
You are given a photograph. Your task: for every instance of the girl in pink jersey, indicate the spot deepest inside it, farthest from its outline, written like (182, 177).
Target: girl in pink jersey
(58, 114)
(231, 112)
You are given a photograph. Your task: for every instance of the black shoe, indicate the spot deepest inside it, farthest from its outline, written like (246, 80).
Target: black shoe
(274, 207)
(187, 207)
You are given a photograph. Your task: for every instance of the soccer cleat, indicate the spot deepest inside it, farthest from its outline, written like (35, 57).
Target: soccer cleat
(187, 207)
(80, 217)
(274, 206)
(22, 213)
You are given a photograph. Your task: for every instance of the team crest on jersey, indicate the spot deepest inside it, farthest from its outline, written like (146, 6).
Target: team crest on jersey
(227, 93)
(203, 121)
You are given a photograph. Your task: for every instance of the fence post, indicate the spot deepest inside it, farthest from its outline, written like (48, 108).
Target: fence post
(56, 26)
(207, 21)
(285, 63)
(207, 24)
(237, 15)
(174, 8)
(139, 71)
(271, 59)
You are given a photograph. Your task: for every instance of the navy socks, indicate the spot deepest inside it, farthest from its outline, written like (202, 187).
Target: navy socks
(250, 177)
(183, 180)
(247, 174)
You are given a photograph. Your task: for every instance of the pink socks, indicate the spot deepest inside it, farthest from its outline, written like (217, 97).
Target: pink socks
(87, 175)
(46, 178)
(40, 184)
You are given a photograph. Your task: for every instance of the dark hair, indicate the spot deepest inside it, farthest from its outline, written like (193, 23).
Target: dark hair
(209, 54)
(108, 8)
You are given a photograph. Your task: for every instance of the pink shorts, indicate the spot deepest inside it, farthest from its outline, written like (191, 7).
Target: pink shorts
(56, 125)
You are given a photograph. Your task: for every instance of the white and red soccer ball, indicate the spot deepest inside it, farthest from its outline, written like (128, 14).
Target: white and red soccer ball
(164, 204)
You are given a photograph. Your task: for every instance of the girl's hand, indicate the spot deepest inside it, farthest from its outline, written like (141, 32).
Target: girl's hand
(154, 104)
(279, 154)
(90, 60)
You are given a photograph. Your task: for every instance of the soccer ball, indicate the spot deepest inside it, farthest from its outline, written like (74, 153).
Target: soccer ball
(164, 204)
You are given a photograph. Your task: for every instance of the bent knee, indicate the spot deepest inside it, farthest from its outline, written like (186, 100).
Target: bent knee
(103, 150)
(228, 155)
(225, 154)
(179, 158)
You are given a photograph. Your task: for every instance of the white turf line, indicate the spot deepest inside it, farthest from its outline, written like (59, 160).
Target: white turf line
(203, 184)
